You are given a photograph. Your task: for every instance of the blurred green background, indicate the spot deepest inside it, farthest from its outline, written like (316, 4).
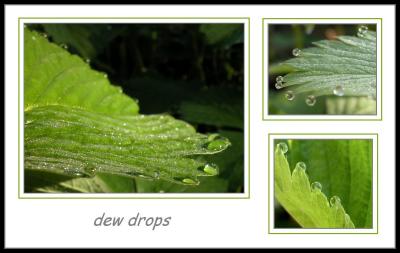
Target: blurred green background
(282, 39)
(191, 71)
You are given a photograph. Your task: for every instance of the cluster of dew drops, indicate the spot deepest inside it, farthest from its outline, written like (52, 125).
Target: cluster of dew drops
(311, 99)
(315, 186)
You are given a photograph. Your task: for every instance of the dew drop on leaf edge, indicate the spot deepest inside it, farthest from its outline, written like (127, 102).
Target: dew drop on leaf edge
(301, 165)
(73, 172)
(296, 52)
(283, 147)
(334, 201)
(216, 142)
(210, 169)
(289, 95)
(338, 90)
(279, 79)
(64, 46)
(311, 100)
(90, 171)
(278, 85)
(187, 181)
(362, 31)
(190, 181)
(316, 186)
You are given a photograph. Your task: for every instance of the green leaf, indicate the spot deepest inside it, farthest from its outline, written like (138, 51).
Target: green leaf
(306, 204)
(344, 169)
(207, 185)
(343, 67)
(70, 140)
(52, 76)
(78, 125)
(350, 106)
(278, 104)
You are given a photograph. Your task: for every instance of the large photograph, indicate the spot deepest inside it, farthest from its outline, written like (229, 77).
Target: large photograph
(133, 108)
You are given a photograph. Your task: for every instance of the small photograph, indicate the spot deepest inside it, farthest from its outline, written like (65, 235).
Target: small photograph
(133, 108)
(323, 184)
(321, 69)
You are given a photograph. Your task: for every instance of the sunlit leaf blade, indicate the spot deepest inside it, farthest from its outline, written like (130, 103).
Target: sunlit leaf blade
(73, 34)
(207, 185)
(348, 64)
(309, 207)
(73, 141)
(52, 76)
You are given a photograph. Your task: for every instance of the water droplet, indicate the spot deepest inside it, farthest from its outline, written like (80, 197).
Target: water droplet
(33, 38)
(296, 52)
(316, 186)
(64, 46)
(90, 171)
(217, 142)
(87, 60)
(335, 201)
(338, 90)
(190, 181)
(210, 169)
(138, 174)
(279, 79)
(283, 147)
(362, 31)
(311, 100)
(105, 75)
(278, 86)
(301, 165)
(289, 95)
(124, 124)
(44, 35)
(73, 172)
